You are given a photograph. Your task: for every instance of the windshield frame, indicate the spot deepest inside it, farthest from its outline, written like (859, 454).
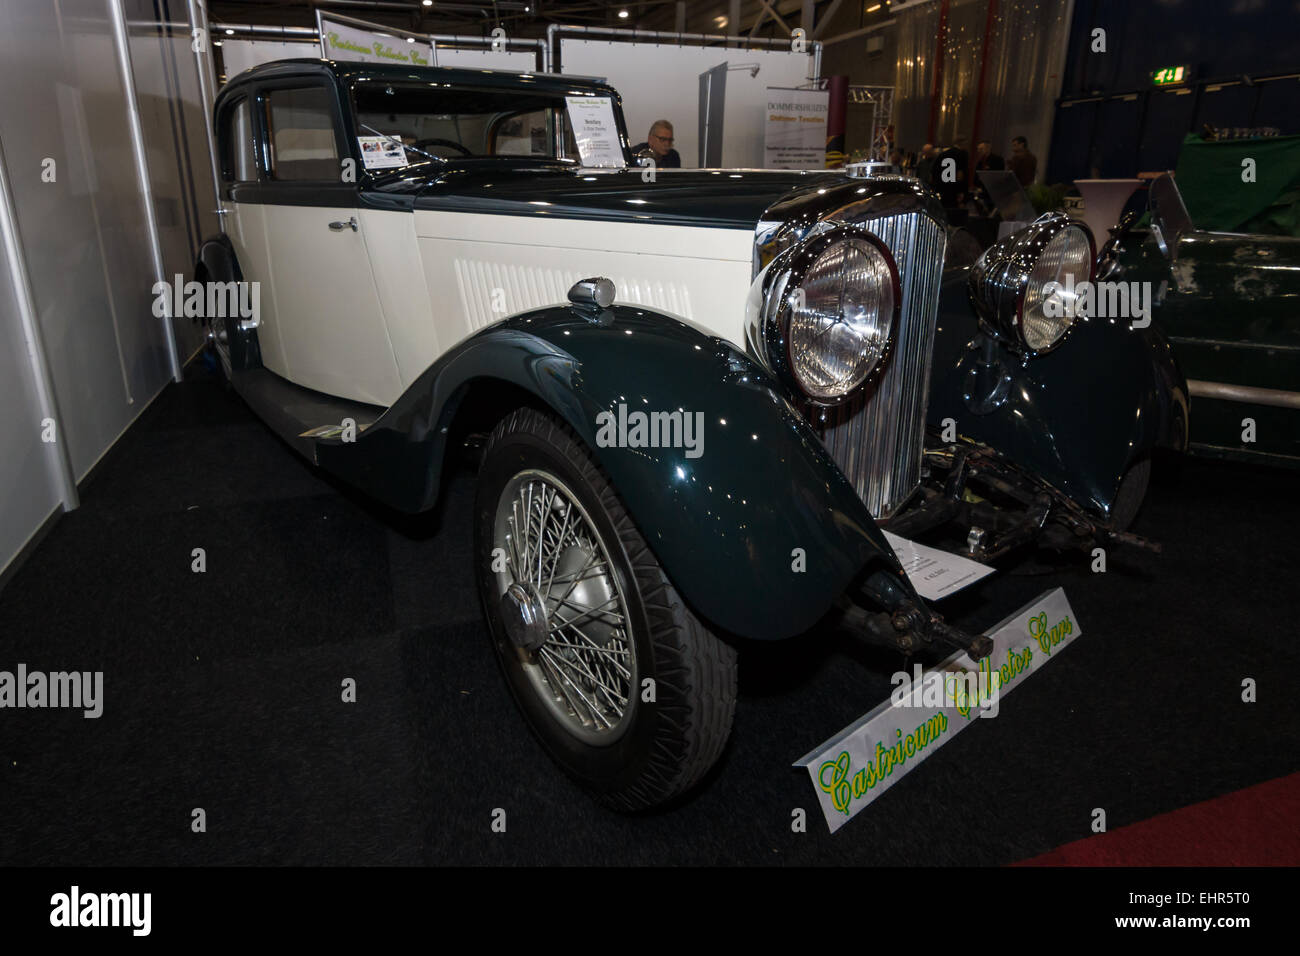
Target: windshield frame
(556, 132)
(1170, 219)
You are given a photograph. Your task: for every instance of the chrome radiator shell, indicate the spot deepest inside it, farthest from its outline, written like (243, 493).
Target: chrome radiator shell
(878, 439)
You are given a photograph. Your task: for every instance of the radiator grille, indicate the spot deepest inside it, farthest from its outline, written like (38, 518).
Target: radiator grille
(878, 441)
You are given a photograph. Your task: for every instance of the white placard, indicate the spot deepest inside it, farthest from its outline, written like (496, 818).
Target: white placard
(382, 152)
(869, 756)
(338, 41)
(935, 574)
(795, 129)
(596, 131)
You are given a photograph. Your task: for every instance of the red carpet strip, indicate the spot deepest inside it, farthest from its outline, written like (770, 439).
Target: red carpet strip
(1257, 826)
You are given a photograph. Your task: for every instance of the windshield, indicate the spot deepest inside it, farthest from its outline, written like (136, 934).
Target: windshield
(1168, 213)
(461, 123)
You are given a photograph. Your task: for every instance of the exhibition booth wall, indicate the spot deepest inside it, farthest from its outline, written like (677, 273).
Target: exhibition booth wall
(662, 81)
(87, 235)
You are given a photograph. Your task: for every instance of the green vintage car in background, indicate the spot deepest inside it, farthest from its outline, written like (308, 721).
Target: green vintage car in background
(1230, 305)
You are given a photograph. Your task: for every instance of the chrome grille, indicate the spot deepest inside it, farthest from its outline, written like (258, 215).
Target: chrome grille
(878, 441)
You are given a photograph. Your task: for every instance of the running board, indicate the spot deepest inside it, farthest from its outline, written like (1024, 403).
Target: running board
(302, 417)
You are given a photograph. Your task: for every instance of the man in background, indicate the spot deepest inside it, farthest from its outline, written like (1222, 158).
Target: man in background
(1023, 163)
(985, 158)
(925, 164)
(950, 172)
(660, 144)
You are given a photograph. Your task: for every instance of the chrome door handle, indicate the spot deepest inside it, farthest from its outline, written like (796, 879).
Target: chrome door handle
(341, 225)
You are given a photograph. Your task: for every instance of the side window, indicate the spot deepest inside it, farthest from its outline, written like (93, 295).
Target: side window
(300, 122)
(238, 160)
(524, 134)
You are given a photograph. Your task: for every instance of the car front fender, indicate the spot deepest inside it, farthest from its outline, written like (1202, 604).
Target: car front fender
(751, 518)
(1078, 416)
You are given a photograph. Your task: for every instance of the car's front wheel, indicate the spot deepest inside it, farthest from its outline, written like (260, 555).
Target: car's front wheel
(219, 337)
(624, 686)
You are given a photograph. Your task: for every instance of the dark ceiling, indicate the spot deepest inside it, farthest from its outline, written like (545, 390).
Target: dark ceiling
(529, 18)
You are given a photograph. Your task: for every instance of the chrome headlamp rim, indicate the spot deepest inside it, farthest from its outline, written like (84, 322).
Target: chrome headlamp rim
(787, 271)
(999, 280)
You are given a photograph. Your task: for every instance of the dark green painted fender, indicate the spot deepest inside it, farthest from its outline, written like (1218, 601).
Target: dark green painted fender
(1078, 416)
(725, 525)
(216, 262)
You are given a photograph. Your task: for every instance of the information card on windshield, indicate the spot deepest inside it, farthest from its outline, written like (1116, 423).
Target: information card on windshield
(596, 131)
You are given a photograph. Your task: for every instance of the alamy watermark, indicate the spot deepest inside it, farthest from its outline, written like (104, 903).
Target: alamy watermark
(638, 429)
(208, 300)
(963, 690)
(76, 909)
(1101, 300)
(78, 690)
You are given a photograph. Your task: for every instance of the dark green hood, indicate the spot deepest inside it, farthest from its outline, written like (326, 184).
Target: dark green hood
(727, 199)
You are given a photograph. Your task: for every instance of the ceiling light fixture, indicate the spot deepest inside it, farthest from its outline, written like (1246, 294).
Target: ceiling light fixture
(622, 14)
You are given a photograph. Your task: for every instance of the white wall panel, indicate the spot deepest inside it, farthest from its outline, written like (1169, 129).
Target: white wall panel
(662, 81)
(83, 235)
(172, 118)
(240, 55)
(518, 61)
(28, 492)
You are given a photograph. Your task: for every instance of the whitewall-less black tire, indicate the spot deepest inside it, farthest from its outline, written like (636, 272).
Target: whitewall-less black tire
(624, 686)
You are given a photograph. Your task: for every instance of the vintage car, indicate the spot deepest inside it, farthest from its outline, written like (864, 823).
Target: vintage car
(1228, 302)
(696, 395)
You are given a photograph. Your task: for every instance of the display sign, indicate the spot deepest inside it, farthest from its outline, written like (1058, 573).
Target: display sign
(338, 41)
(935, 574)
(1171, 75)
(926, 710)
(596, 131)
(382, 152)
(795, 130)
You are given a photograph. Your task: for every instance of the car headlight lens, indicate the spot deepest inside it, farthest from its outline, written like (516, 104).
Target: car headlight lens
(1068, 254)
(823, 313)
(1022, 286)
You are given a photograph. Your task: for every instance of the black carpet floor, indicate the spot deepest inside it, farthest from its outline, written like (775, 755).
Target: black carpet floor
(223, 689)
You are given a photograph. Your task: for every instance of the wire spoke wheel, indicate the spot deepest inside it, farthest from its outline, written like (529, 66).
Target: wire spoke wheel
(624, 687)
(563, 607)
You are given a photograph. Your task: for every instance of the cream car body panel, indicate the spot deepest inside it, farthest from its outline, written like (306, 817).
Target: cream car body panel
(246, 227)
(328, 305)
(482, 268)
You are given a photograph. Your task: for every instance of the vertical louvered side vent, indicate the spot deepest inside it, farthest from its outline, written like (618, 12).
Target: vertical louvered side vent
(518, 288)
(878, 442)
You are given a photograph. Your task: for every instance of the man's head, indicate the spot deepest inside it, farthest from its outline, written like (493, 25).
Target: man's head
(660, 138)
(983, 148)
(1019, 145)
(927, 151)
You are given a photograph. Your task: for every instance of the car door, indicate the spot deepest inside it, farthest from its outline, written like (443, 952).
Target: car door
(330, 322)
(242, 220)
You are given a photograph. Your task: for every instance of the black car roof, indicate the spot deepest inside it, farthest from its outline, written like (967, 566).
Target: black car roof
(350, 71)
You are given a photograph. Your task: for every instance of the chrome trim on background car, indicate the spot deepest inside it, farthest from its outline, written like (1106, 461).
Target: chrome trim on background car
(1278, 398)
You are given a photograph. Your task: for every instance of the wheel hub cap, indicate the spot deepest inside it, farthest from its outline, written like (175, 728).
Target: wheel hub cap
(524, 616)
(562, 608)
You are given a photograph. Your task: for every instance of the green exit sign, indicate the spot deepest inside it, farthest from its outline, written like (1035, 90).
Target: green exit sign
(1171, 75)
